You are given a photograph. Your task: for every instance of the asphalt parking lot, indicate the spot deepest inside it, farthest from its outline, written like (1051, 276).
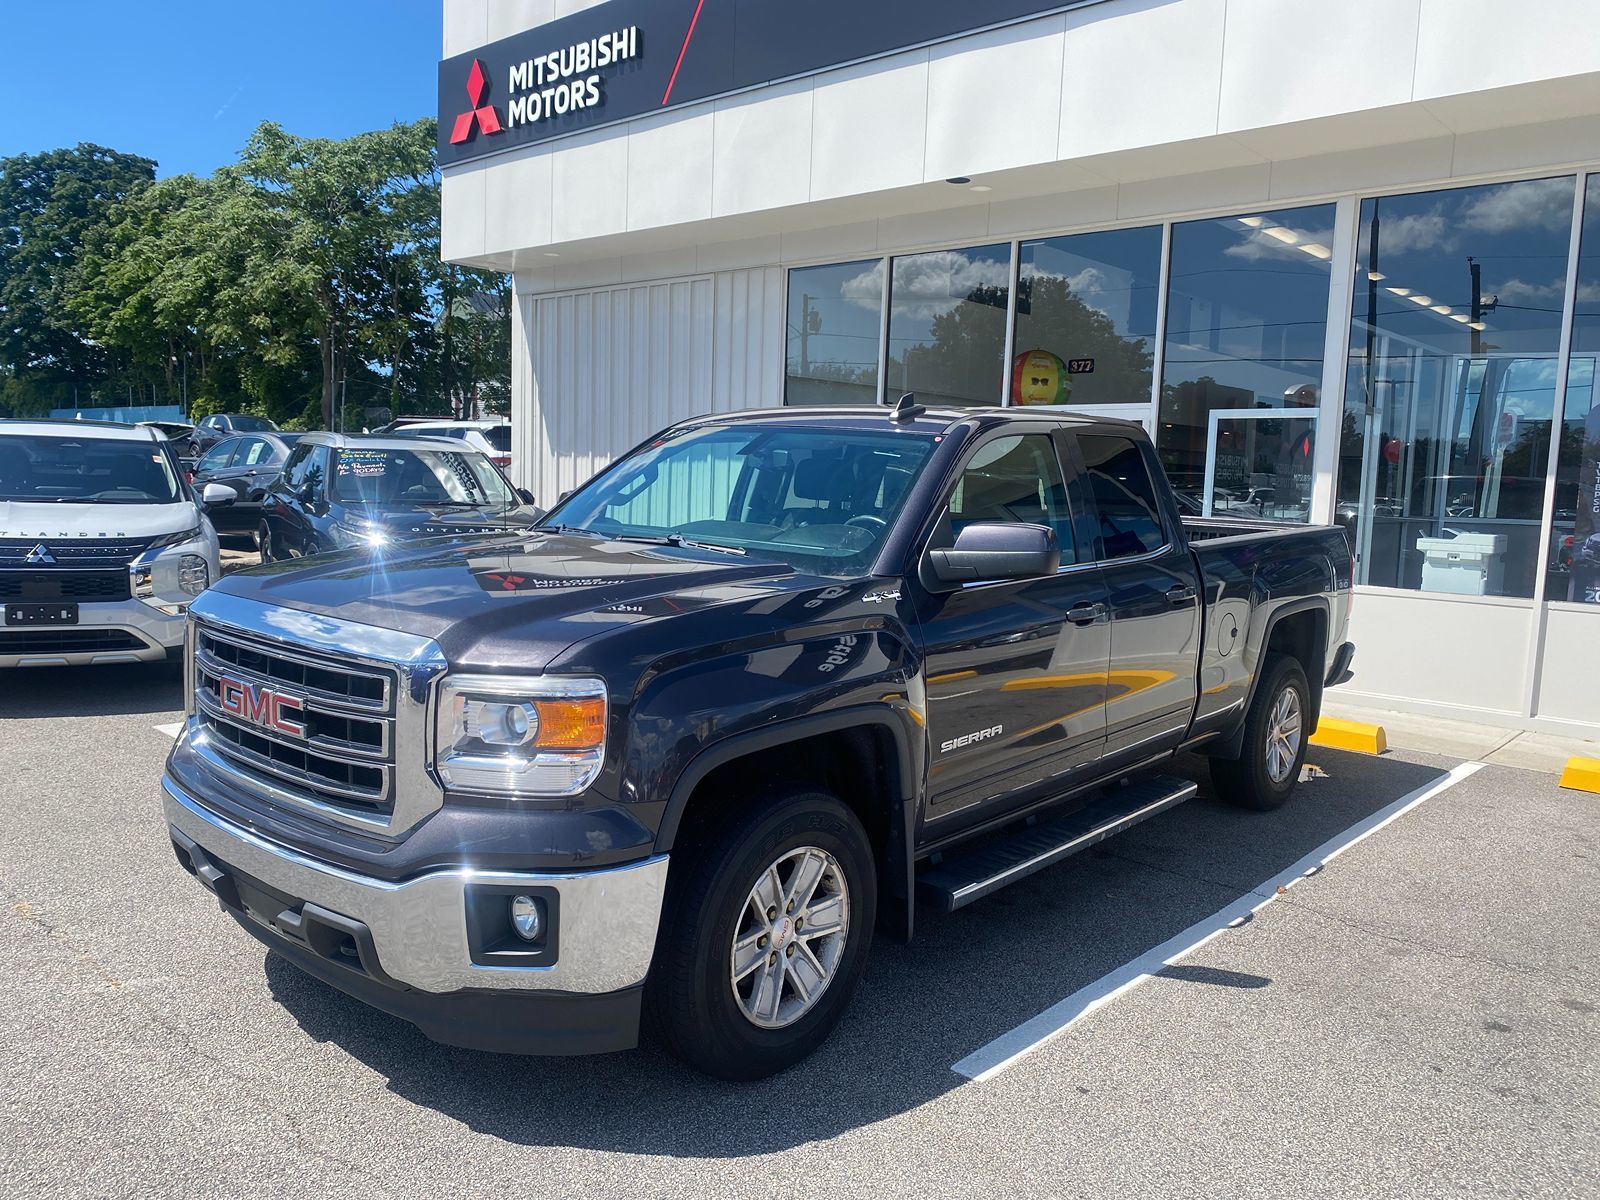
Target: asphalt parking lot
(1418, 1017)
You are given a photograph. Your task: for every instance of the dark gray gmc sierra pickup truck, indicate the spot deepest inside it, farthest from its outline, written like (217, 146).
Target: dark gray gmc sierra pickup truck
(770, 682)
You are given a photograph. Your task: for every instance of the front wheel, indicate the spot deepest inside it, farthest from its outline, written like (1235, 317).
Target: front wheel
(764, 937)
(1268, 767)
(264, 543)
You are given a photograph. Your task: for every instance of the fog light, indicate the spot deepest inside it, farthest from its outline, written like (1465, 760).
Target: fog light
(193, 575)
(527, 917)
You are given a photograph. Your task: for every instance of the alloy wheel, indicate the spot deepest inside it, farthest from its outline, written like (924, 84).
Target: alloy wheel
(790, 938)
(1284, 734)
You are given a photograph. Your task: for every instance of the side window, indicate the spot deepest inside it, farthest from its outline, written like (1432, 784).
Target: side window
(316, 474)
(1123, 494)
(1014, 479)
(217, 457)
(253, 452)
(294, 468)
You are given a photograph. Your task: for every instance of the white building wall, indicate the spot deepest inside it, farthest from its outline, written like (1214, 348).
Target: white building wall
(1127, 95)
(600, 370)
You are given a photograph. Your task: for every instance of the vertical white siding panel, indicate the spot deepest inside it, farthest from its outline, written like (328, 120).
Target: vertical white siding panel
(607, 368)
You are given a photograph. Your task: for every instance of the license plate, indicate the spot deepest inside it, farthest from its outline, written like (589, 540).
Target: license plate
(41, 614)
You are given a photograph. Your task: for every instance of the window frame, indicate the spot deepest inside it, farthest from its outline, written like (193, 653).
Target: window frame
(941, 511)
(1168, 521)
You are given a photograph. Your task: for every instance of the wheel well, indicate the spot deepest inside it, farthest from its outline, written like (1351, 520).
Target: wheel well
(1304, 636)
(858, 765)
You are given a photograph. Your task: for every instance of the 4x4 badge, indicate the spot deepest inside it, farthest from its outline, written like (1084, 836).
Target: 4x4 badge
(40, 556)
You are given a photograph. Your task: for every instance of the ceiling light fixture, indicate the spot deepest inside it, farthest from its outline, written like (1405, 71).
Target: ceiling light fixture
(1317, 250)
(1282, 233)
(1479, 325)
(1442, 309)
(1253, 222)
(1374, 276)
(1422, 300)
(1399, 291)
(1458, 317)
(982, 187)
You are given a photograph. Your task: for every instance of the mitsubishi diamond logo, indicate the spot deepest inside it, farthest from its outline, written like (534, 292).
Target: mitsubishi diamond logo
(40, 556)
(480, 116)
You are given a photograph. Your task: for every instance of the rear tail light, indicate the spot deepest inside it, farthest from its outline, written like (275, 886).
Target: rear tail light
(501, 460)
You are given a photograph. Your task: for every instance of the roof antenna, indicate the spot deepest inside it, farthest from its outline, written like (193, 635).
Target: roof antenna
(907, 410)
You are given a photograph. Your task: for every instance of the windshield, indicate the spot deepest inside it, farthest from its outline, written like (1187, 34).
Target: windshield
(253, 425)
(419, 477)
(819, 500)
(66, 470)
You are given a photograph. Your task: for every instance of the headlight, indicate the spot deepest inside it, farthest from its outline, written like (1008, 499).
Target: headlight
(520, 735)
(362, 535)
(176, 539)
(193, 575)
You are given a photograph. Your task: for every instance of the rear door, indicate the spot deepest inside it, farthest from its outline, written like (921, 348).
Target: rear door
(1152, 590)
(1015, 670)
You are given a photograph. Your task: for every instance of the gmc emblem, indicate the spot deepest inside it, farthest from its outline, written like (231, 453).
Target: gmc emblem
(261, 706)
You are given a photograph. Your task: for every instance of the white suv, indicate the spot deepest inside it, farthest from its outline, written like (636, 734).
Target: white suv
(102, 544)
(490, 438)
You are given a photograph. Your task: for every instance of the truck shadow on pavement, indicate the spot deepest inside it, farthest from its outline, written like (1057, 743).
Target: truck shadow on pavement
(92, 691)
(965, 979)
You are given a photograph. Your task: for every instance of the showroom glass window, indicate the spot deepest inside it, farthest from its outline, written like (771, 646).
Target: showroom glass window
(1247, 315)
(835, 327)
(1450, 389)
(1087, 302)
(1574, 568)
(947, 325)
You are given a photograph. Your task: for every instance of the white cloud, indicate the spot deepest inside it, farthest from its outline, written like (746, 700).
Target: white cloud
(866, 289)
(1414, 231)
(928, 285)
(1536, 203)
(1519, 291)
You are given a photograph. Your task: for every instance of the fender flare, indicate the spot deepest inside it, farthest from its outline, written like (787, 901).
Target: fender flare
(1232, 745)
(739, 745)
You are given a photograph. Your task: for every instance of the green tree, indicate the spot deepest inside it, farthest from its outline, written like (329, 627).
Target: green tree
(50, 204)
(336, 227)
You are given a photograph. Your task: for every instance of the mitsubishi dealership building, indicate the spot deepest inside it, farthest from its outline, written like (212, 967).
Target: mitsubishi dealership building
(1342, 260)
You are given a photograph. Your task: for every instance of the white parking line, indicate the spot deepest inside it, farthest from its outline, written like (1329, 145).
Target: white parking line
(988, 1061)
(170, 730)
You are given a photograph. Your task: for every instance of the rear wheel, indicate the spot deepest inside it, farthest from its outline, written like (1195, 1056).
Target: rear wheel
(764, 937)
(264, 543)
(1267, 769)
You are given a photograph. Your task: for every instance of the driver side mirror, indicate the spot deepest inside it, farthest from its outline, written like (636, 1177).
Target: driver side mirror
(991, 551)
(215, 495)
(526, 496)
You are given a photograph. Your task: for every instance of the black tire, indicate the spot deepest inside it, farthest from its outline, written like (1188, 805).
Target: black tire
(264, 542)
(1248, 780)
(691, 998)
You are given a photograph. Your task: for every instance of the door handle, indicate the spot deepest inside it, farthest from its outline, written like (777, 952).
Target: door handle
(1181, 595)
(1086, 614)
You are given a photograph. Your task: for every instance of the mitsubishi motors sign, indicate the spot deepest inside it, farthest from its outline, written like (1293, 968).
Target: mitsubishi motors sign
(627, 58)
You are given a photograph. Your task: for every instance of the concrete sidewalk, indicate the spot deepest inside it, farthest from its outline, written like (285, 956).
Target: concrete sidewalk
(1467, 739)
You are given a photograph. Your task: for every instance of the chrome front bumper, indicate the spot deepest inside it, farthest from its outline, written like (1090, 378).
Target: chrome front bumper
(607, 928)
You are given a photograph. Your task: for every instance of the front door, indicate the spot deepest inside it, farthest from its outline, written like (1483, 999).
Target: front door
(1152, 589)
(1015, 669)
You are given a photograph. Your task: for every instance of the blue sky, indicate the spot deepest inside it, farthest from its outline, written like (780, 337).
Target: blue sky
(185, 82)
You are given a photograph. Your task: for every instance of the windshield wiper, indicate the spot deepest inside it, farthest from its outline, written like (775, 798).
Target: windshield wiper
(678, 540)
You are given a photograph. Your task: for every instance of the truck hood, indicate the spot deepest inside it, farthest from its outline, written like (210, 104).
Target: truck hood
(514, 601)
(24, 519)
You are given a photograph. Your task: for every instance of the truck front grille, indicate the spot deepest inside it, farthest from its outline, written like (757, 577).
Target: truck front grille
(42, 583)
(343, 756)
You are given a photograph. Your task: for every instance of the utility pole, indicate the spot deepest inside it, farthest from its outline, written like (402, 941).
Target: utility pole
(1474, 269)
